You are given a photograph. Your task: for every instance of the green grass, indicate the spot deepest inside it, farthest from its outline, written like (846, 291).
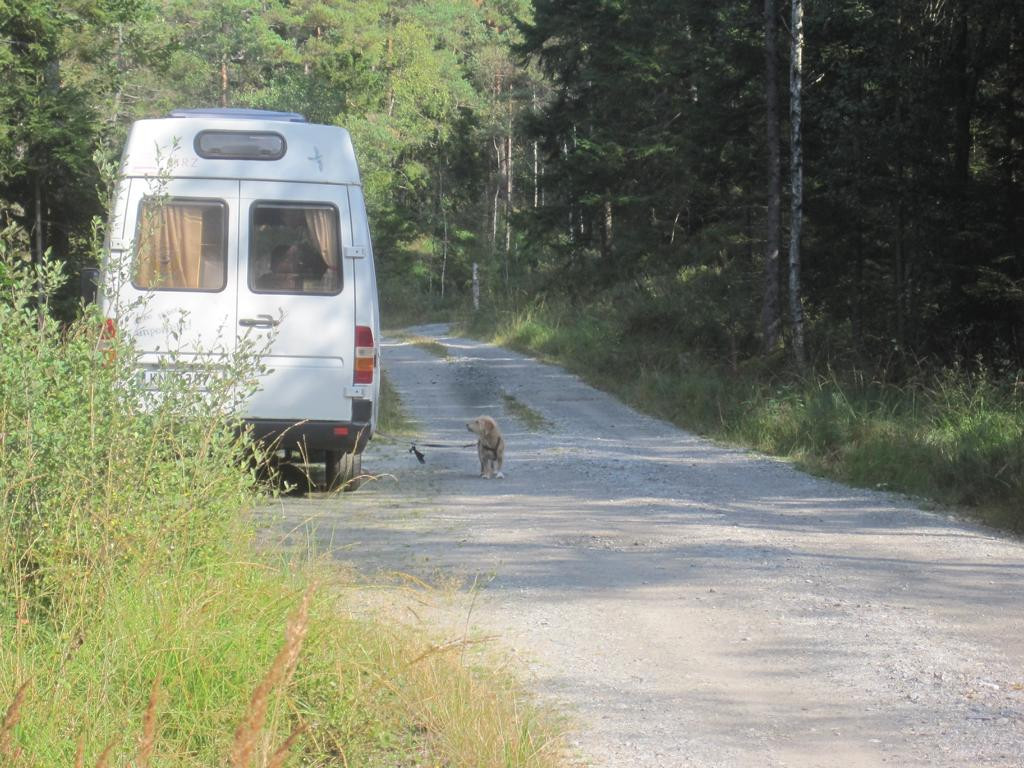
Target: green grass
(432, 346)
(379, 694)
(954, 437)
(393, 420)
(140, 624)
(534, 421)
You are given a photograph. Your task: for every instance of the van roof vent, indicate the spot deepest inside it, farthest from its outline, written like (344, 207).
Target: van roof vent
(240, 114)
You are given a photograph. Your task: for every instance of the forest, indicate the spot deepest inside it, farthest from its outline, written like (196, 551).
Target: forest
(642, 154)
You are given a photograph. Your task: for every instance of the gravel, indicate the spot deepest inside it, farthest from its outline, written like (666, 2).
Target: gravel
(686, 603)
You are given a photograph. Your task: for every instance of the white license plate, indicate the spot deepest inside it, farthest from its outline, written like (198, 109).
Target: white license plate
(193, 378)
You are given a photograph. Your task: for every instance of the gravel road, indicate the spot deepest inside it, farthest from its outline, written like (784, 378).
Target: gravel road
(689, 604)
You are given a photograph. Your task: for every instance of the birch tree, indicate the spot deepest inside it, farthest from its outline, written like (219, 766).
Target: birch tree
(796, 179)
(770, 315)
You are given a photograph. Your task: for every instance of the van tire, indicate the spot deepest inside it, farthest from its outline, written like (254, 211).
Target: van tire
(343, 471)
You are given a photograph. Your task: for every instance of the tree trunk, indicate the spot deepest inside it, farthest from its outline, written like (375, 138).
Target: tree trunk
(536, 162)
(444, 255)
(771, 319)
(901, 190)
(537, 175)
(965, 81)
(40, 250)
(508, 200)
(607, 241)
(797, 181)
(224, 69)
(476, 287)
(494, 216)
(444, 219)
(569, 203)
(224, 80)
(115, 107)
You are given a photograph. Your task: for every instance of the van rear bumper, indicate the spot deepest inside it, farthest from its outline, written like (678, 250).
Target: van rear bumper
(344, 436)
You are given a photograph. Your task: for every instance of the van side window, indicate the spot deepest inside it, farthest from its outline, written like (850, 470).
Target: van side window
(181, 245)
(294, 249)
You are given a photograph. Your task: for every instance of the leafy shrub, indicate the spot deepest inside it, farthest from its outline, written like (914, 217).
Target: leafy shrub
(96, 470)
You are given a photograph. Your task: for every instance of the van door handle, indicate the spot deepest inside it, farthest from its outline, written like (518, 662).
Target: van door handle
(260, 321)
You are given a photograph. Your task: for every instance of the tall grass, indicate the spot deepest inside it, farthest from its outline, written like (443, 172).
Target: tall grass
(953, 436)
(140, 626)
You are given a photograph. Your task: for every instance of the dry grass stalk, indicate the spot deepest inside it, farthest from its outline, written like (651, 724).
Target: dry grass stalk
(457, 643)
(248, 731)
(148, 737)
(11, 720)
(281, 753)
(80, 753)
(104, 758)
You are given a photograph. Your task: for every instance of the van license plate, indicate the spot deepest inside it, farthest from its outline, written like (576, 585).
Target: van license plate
(159, 378)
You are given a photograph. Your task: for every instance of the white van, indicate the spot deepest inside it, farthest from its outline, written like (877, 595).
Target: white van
(238, 223)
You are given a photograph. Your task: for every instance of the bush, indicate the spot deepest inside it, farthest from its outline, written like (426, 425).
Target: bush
(96, 471)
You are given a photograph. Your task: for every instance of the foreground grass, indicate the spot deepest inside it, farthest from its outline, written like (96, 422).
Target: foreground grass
(955, 438)
(363, 693)
(139, 623)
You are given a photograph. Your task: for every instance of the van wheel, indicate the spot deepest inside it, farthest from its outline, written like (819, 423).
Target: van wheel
(343, 470)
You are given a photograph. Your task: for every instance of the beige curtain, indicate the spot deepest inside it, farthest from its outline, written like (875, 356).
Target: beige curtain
(171, 247)
(320, 223)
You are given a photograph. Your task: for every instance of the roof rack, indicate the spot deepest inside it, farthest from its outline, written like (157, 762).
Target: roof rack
(235, 113)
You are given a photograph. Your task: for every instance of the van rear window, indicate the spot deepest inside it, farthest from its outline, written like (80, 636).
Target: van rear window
(294, 248)
(181, 245)
(240, 145)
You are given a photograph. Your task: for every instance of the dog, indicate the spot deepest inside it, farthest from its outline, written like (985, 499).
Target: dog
(490, 445)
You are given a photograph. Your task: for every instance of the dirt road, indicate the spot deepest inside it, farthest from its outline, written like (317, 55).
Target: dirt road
(689, 604)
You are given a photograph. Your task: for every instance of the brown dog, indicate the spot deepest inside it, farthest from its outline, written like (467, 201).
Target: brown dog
(490, 445)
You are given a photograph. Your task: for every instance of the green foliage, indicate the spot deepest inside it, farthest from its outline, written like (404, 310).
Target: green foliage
(956, 437)
(90, 480)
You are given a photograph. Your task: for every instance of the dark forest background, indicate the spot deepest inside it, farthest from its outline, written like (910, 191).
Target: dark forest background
(631, 152)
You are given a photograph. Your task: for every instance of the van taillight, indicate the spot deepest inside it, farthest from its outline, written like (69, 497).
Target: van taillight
(108, 332)
(366, 355)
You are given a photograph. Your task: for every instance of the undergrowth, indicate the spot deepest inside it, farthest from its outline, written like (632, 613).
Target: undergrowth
(140, 625)
(954, 436)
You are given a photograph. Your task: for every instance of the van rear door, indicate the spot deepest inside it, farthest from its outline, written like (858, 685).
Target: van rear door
(174, 270)
(296, 292)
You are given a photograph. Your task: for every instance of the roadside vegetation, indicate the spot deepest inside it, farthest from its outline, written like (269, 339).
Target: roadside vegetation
(139, 623)
(393, 418)
(534, 421)
(434, 347)
(955, 435)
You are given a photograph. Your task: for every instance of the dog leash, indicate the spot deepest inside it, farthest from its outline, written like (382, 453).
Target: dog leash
(414, 446)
